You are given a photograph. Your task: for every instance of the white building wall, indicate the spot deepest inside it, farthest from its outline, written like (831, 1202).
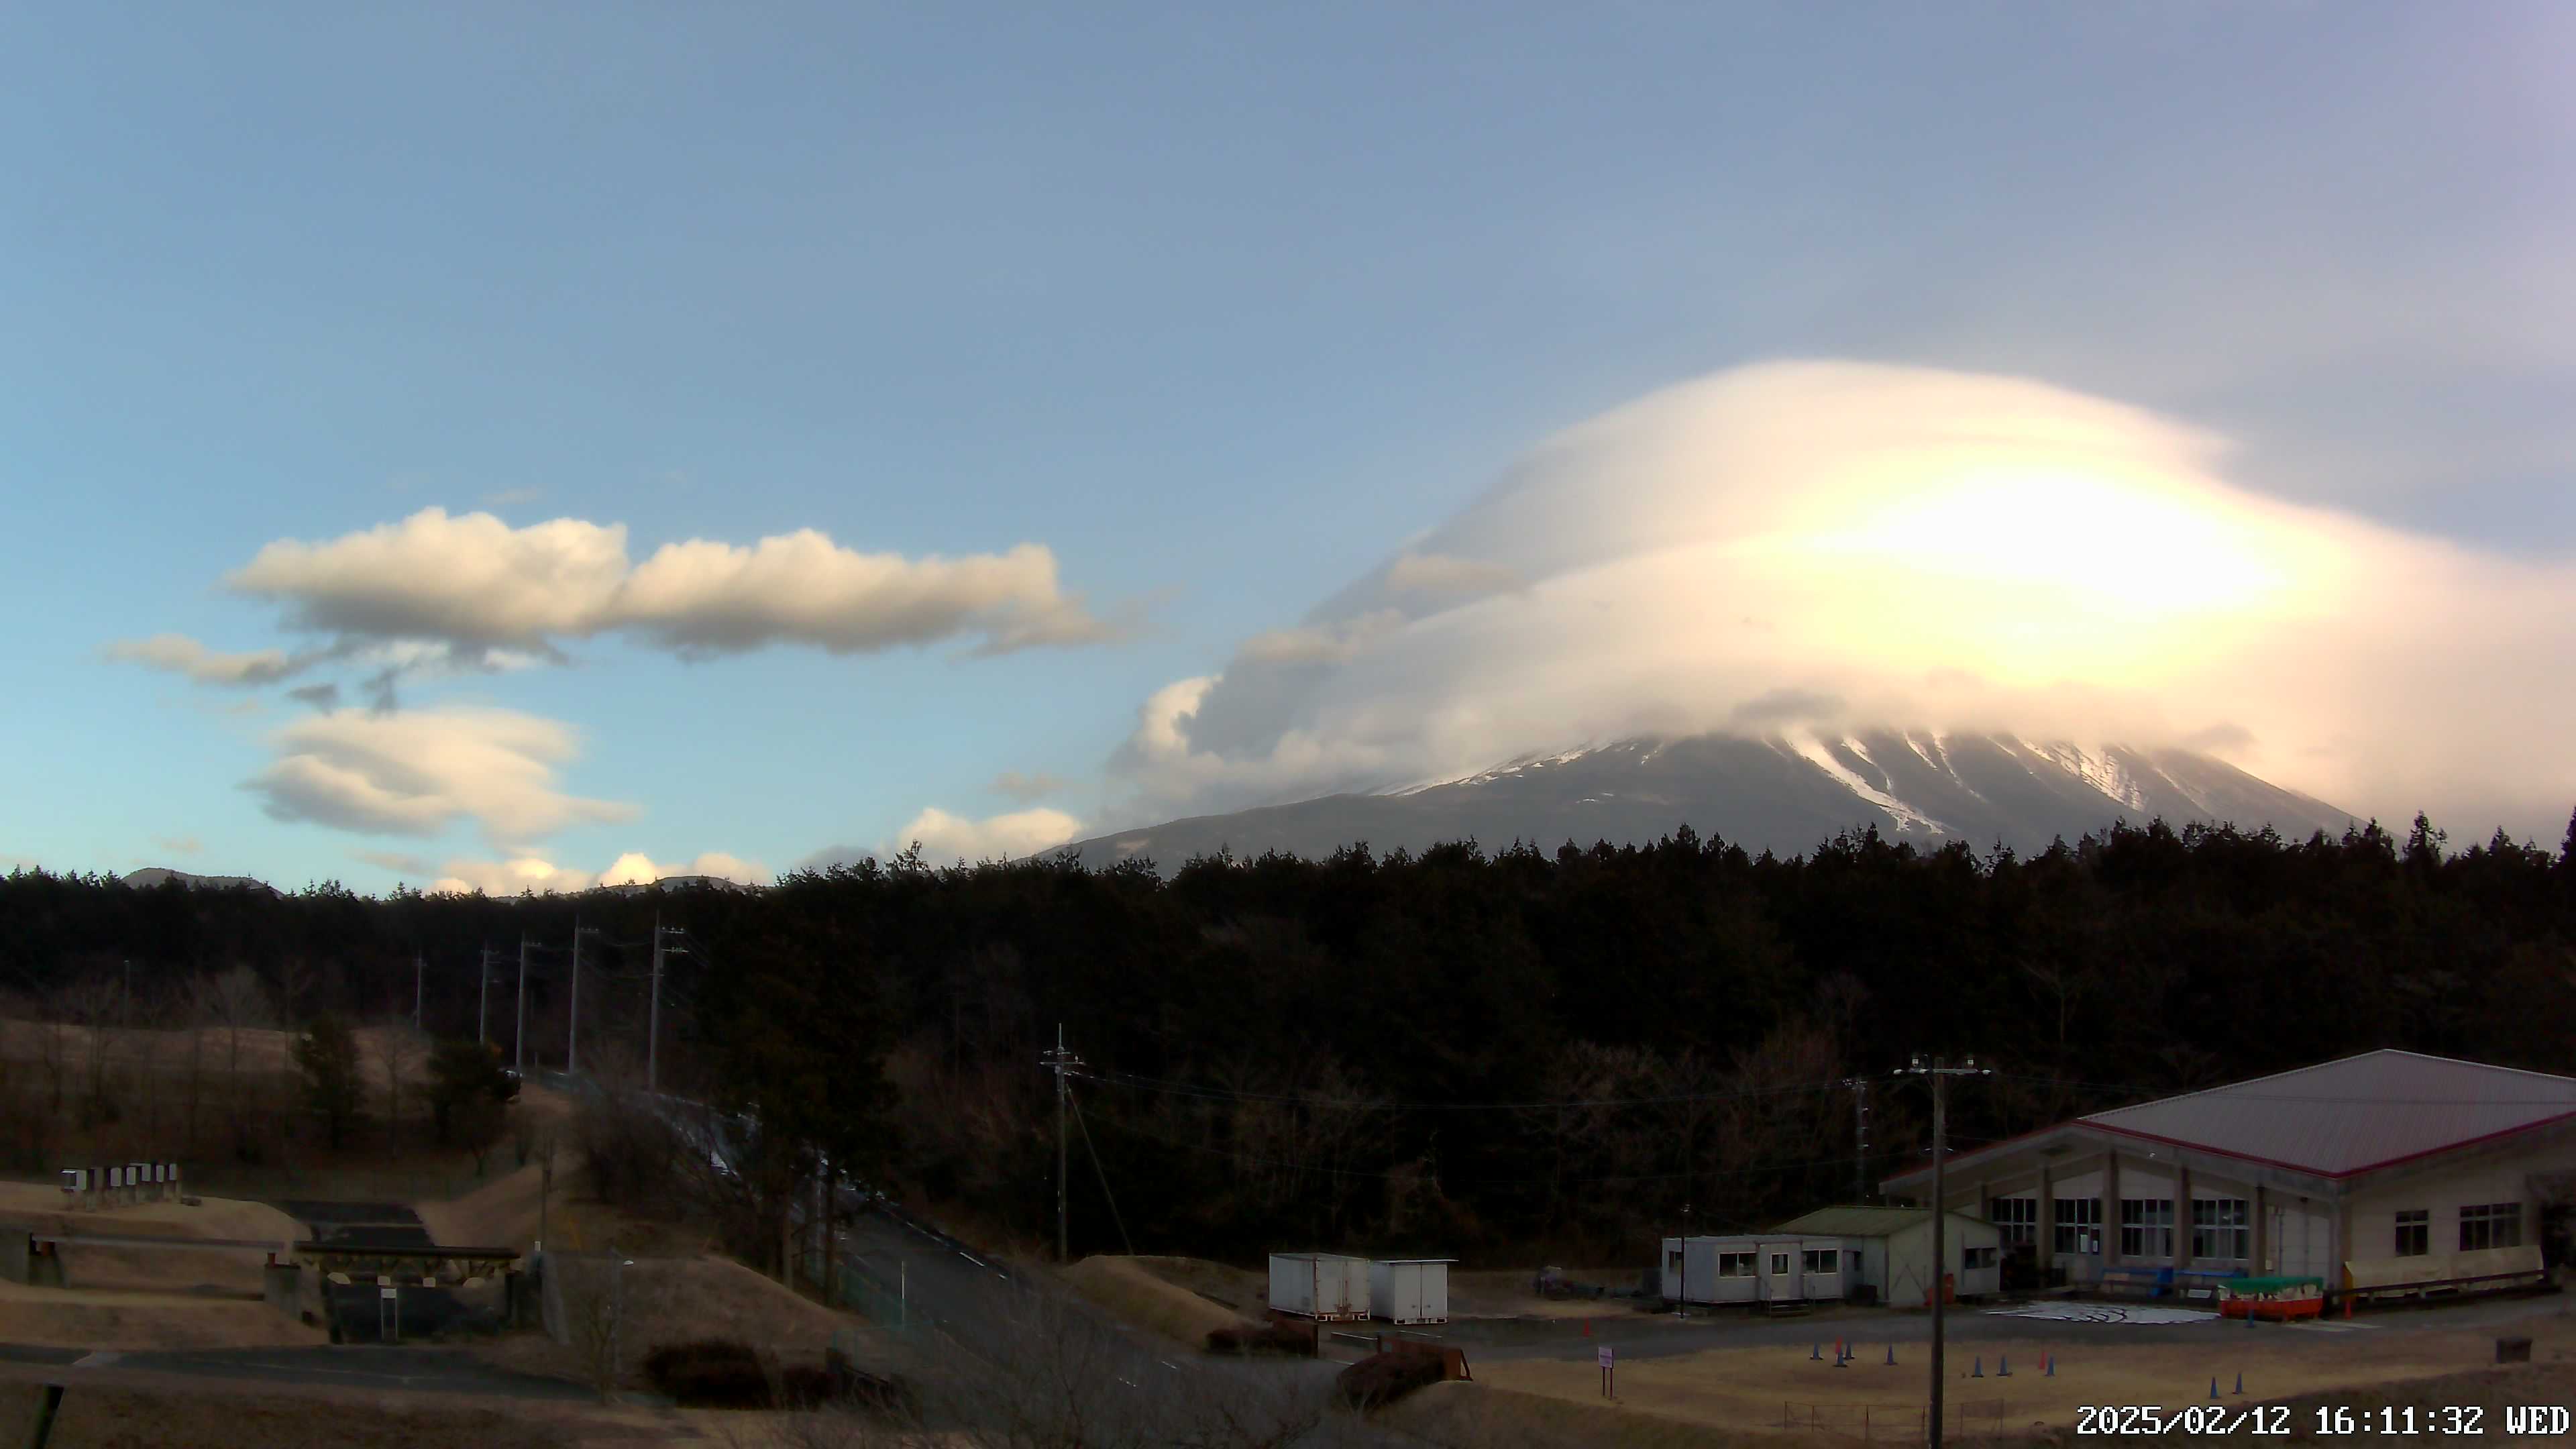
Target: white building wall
(2502, 1177)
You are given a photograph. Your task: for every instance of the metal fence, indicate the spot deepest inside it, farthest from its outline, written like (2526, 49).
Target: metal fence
(856, 1288)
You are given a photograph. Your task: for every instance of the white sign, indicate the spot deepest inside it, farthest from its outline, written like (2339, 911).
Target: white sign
(1605, 1358)
(388, 1292)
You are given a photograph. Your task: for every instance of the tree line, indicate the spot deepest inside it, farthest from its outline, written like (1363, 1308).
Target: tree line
(1459, 1051)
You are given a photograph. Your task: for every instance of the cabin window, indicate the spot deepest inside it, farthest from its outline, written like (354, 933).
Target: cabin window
(2079, 1225)
(2146, 1227)
(1976, 1257)
(1820, 1260)
(2492, 1225)
(1735, 1265)
(2414, 1232)
(1780, 1264)
(2221, 1227)
(2016, 1218)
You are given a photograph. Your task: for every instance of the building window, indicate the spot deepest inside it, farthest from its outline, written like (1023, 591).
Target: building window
(2222, 1228)
(2414, 1232)
(2017, 1218)
(1675, 1263)
(2494, 1225)
(2079, 1225)
(1976, 1257)
(1820, 1260)
(2146, 1227)
(1779, 1265)
(1735, 1265)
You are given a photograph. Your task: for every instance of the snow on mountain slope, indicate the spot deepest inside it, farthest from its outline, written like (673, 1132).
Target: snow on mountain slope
(1783, 793)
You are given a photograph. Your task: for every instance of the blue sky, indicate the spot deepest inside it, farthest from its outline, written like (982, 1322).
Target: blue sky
(1221, 306)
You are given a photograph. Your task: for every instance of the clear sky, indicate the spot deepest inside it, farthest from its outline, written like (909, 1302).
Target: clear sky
(1090, 343)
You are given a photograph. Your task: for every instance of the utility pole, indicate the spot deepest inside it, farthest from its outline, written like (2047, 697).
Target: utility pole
(483, 1000)
(1060, 1061)
(572, 1050)
(1940, 1071)
(519, 1036)
(1860, 1138)
(653, 1013)
(417, 967)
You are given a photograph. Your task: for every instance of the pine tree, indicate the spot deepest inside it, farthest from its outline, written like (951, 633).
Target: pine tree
(327, 1055)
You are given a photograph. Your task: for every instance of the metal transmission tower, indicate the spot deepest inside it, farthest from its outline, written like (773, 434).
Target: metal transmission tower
(1060, 1062)
(1940, 1072)
(653, 1014)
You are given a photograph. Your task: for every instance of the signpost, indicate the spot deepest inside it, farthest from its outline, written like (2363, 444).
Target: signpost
(1608, 1373)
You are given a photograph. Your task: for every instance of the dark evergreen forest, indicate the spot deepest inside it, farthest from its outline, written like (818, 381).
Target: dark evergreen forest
(1459, 1052)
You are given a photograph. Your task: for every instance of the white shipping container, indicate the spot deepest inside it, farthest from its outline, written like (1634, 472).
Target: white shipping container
(1410, 1290)
(1327, 1287)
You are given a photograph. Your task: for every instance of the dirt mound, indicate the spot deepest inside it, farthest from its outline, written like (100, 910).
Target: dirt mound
(500, 1214)
(1127, 1288)
(44, 1210)
(1244, 1290)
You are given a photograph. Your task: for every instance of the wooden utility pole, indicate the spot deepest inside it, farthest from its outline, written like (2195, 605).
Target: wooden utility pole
(483, 1000)
(1940, 1071)
(519, 1037)
(1860, 1138)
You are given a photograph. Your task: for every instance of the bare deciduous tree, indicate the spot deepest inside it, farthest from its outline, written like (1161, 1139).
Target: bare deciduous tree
(238, 1003)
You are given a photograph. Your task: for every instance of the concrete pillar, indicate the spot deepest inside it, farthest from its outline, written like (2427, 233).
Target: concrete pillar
(2110, 1209)
(2046, 1228)
(2262, 1233)
(281, 1286)
(2181, 1254)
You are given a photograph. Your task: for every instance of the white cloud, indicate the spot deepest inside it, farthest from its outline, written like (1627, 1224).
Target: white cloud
(1011, 784)
(531, 872)
(1445, 574)
(636, 868)
(1883, 545)
(182, 655)
(473, 583)
(418, 772)
(410, 866)
(946, 839)
(180, 844)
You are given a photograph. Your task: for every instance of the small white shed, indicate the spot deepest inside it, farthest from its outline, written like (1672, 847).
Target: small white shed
(1410, 1290)
(1327, 1287)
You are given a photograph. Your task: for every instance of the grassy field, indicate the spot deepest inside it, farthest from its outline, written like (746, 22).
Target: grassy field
(1759, 1389)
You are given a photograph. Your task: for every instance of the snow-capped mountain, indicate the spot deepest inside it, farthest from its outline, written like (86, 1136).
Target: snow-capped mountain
(1785, 793)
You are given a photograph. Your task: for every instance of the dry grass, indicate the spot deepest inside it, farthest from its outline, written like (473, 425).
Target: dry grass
(506, 1213)
(88, 1318)
(1752, 1388)
(113, 1410)
(1140, 1295)
(677, 1300)
(1461, 1415)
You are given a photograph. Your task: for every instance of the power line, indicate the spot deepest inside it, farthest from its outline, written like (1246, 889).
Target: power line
(1382, 1104)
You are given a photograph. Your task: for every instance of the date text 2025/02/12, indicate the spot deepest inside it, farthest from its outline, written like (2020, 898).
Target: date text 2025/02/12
(2326, 1421)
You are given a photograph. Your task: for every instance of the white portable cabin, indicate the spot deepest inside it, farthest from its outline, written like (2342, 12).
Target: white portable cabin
(1327, 1287)
(1755, 1268)
(1410, 1290)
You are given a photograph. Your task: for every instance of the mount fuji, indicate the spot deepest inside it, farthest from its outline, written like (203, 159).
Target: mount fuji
(1785, 793)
